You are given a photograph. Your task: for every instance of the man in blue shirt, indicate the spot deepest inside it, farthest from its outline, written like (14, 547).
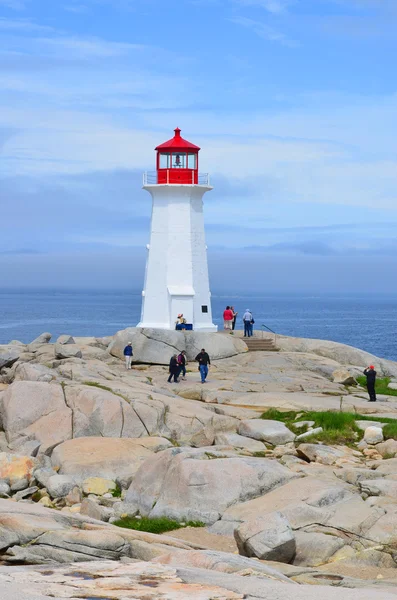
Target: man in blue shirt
(128, 355)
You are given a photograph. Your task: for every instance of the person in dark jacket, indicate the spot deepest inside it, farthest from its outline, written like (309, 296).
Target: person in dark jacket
(128, 353)
(182, 364)
(204, 361)
(174, 369)
(370, 374)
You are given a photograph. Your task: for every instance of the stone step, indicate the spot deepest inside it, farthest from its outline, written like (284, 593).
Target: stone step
(259, 344)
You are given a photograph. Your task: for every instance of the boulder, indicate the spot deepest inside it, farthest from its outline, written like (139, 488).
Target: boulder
(363, 425)
(98, 486)
(15, 469)
(387, 448)
(34, 372)
(314, 549)
(59, 486)
(373, 435)
(319, 453)
(37, 411)
(267, 538)
(9, 355)
(344, 377)
(239, 441)
(5, 489)
(156, 346)
(200, 484)
(309, 433)
(392, 385)
(43, 338)
(65, 339)
(67, 351)
(92, 509)
(379, 487)
(108, 458)
(273, 432)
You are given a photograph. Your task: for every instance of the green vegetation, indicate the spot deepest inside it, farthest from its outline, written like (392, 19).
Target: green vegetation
(338, 427)
(380, 385)
(116, 493)
(160, 525)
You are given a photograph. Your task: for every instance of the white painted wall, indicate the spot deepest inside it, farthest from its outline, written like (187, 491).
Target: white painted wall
(176, 277)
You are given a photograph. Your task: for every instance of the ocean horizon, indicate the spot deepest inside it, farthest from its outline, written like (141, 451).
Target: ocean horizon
(368, 322)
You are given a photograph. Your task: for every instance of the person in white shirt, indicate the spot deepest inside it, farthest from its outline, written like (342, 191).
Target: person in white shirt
(248, 321)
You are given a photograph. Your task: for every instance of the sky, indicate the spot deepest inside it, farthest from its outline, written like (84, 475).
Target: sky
(293, 102)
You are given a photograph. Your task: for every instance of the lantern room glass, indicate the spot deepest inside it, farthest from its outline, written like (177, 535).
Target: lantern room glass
(165, 161)
(192, 161)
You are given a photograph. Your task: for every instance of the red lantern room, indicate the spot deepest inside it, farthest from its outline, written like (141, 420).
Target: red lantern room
(177, 161)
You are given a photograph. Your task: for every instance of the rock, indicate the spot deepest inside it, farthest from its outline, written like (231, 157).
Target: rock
(59, 486)
(344, 377)
(74, 496)
(43, 338)
(319, 453)
(273, 432)
(156, 346)
(67, 351)
(199, 484)
(15, 469)
(373, 435)
(42, 475)
(65, 339)
(8, 356)
(98, 486)
(5, 489)
(379, 487)
(307, 434)
(125, 509)
(314, 549)
(239, 441)
(301, 424)
(392, 385)
(25, 493)
(33, 372)
(110, 458)
(387, 448)
(363, 425)
(38, 410)
(95, 511)
(267, 538)
(354, 475)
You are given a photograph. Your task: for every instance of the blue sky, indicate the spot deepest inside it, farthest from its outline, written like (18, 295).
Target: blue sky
(293, 102)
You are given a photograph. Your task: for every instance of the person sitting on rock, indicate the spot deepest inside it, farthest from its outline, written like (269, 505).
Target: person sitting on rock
(128, 353)
(180, 322)
(370, 374)
(173, 369)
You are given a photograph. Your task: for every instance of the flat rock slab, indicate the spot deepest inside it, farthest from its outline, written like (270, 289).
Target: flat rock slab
(273, 432)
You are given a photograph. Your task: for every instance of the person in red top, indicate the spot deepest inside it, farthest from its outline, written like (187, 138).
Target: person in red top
(228, 317)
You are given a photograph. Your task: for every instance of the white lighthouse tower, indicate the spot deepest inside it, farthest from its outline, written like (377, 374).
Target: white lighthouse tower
(176, 278)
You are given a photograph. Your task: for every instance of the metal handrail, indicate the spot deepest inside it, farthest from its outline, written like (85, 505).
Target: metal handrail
(150, 178)
(271, 330)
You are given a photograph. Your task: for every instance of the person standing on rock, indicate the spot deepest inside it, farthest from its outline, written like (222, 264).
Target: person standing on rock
(248, 321)
(228, 318)
(128, 353)
(174, 369)
(182, 364)
(234, 318)
(370, 374)
(204, 362)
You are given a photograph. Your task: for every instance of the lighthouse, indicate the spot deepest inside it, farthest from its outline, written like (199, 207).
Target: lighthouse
(176, 277)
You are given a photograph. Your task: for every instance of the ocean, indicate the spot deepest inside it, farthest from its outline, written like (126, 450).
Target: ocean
(367, 322)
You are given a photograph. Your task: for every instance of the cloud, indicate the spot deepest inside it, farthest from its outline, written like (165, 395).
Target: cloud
(276, 7)
(265, 31)
(22, 25)
(88, 47)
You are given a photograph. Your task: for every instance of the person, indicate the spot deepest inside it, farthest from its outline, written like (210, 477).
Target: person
(234, 318)
(227, 318)
(204, 361)
(180, 322)
(182, 364)
(248, 321)
(174, 369)
(370, 374)
(128, 353)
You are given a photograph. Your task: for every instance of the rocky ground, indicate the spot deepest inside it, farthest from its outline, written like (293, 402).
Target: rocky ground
(83, 443)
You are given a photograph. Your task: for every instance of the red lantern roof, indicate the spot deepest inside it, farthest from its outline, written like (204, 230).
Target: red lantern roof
(177, 143)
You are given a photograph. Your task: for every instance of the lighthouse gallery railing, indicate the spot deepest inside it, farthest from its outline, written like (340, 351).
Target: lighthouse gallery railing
(150, 178)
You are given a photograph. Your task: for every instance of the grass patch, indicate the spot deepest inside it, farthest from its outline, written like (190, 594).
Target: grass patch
(160, 525)
(338, 427)
(381, 384)
(116, 493)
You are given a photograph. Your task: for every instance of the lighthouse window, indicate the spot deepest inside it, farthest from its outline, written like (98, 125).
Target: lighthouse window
(192, 161)
(179, 161)
(165, 161)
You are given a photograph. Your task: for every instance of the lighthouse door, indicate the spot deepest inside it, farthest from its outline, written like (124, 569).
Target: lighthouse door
(181, 303)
